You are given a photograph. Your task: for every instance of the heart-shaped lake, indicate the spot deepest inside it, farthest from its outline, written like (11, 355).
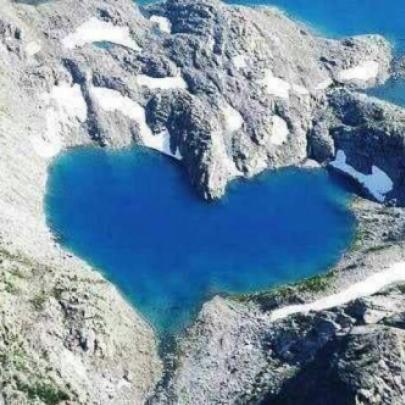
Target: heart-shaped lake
(134, 215)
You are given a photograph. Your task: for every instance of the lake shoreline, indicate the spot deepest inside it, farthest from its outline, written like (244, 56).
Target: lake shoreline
(86, 214)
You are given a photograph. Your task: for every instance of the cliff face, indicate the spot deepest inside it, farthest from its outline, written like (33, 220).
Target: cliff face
(258, 69)
(230, 91)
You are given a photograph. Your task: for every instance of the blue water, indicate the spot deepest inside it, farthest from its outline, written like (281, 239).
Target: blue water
(134, 215)
(346, 17)
(393, 91)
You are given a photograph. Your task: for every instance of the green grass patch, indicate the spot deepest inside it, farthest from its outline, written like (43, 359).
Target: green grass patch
(377, 248)
(39, 301)
(290, 293)
(45, 392)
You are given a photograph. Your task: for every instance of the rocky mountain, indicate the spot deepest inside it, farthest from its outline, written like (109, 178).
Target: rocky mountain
(230, 91)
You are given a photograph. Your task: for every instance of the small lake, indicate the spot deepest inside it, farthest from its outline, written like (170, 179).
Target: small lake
(133, 215)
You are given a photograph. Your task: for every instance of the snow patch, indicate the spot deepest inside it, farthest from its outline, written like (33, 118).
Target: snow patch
(378, 183)
(275, 86)
(95, 30)
(239, 61)
(65, 106)
(32, 48)
(225, 160)
(161, 83)
(310, 164)
(301, 90)
(365, 71)
(233, 120)
(163, 23)
(112, 100)
(281, 88)
(279, 132)
(370, 286)
(161, 142)
(324, 84)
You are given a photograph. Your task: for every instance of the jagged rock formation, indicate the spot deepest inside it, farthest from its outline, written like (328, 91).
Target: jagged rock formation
(370, 131)
(271, 70)
(348, 355)
(230, 91)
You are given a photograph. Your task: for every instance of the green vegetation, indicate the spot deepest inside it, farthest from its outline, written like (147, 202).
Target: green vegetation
(22, 259)
(316, 283)
(44, 391)
(268, 300)
(377, 248)
(39, 301)
(15, 358)
(358, 240)
(10, 286)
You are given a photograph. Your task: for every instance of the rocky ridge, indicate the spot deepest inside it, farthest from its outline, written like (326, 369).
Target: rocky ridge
(231, 91)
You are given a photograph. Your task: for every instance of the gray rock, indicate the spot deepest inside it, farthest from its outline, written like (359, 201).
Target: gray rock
(369, 131)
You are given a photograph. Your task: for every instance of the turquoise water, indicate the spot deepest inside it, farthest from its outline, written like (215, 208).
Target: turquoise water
(134, 215)
(346, 17)
(393, 90)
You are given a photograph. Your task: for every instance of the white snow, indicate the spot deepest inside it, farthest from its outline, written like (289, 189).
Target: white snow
(163, 23)
(365, 71)
(95, 30)
(65, 106)
(69, 100)
(301, 90)
(209, 44)
(112, 100)
(48, 144)
(162, 83)
(281, 88)
(324, 84)
(279, 132)
(224, 160)
(378, 183)
(233, 120)
(310, 164)
(276, 86)
(32, 48)
(370, 286)
(239, 61)
(161, 143)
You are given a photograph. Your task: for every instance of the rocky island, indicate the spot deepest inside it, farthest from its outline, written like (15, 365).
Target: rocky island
(230, 92)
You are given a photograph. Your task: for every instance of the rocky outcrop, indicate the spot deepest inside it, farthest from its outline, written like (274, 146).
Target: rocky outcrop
(368, 130)
(350, 354)
(269, 69)
(66, 335)
(353, 368)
